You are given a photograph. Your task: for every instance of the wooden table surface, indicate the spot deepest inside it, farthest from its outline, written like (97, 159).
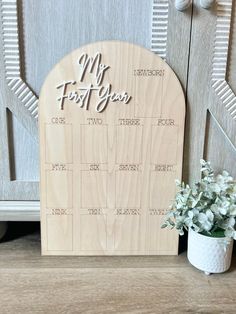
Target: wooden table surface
(30, 283)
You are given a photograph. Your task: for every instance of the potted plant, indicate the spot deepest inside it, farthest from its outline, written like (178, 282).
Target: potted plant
(208, 211)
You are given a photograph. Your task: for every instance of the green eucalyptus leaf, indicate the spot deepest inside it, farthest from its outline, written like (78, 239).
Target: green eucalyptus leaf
(207, 206)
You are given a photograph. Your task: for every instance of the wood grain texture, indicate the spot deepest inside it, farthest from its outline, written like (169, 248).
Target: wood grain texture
(160, 16)
(204, 105)
(221, 60)
(13, 62)
(60, 27)
(108, 177)
(13, 189)
(34, 284)
(39, 21)
(23, 151)
(231, 74)
(178, 42)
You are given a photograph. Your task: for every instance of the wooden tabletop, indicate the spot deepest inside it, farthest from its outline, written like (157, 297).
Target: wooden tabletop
(30, 283)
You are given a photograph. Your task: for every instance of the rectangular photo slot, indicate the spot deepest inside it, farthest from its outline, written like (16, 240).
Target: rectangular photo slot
(160, 240)
(59, 189)
(128, 189)
(94, 146)
(93, 189)
(148, 105)
(129, 144)
(58, 138)
(126, 233)
(162, 189)
(164, 143)
(93, 232)
(59, 233)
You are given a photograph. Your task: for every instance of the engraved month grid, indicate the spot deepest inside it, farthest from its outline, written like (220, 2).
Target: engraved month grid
(93, 188)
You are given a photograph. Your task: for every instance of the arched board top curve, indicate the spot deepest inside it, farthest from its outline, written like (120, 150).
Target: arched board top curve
(140, 63)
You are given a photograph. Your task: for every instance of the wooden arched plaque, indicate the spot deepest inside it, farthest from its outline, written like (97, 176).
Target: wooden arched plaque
(111, 142)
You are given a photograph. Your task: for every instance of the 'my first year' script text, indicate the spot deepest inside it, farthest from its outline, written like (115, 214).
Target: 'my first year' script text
(81, 95)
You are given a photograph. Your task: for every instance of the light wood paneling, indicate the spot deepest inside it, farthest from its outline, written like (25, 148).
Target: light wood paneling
(231, 73)
(14, 189)
(207, 113)
(23, 151)
(223, 156)
(54, 28)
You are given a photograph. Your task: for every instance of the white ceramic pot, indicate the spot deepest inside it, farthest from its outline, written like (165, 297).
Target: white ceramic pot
(212, 255)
